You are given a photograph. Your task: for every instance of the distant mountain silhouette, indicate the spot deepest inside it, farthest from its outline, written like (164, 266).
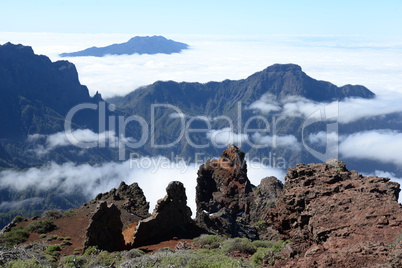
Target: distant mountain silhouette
(136, 45)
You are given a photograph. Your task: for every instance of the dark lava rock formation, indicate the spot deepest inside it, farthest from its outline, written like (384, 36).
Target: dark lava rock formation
(224, 195)
(171, 218)
(125, 194)
(133, 194)
(105, 228)
(338, 218)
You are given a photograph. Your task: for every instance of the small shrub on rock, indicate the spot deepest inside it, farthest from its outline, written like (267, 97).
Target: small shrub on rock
(53, 248)
(53, 214)
(69, 213)
(16, 236)
(42, 227)
(242, 245)
(31, 263)
(264, 243)
(208, 241)
(267, 252)
(18, 219)
(73, 261)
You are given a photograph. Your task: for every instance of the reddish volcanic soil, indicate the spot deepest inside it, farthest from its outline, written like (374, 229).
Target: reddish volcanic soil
(75, 227)
(165, 244)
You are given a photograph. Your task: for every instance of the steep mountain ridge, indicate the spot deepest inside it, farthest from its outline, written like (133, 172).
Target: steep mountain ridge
(215, 98)
(37, 93)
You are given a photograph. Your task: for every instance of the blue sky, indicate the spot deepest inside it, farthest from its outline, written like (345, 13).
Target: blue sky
(374, 18)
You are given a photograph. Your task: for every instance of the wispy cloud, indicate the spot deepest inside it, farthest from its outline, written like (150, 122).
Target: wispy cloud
(349, 110)
(82, 138)
(322, 138)
(287, 141)
(12, 205)
(379, 145)
(152, 174)
(266, 104)
(225, 136)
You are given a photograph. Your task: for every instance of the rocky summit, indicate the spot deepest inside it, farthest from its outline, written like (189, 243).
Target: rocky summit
(224, 195)
(338, 218)
(171, 218)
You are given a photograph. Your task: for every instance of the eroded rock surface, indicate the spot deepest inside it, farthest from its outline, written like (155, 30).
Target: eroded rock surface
(338, 218)
(105, 228)
(129, 199)
(224, 195)
(128, 193)
(170, 218)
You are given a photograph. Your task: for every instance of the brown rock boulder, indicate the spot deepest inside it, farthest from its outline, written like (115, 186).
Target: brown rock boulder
(129, 199)
(224, 195)
(338, 218)
(105, 228)
(133, 193)
(171, 218)
(266, 194)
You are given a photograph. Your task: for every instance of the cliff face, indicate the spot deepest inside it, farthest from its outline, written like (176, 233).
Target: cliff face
(224, 195)
(227, 203)
(171, 218)
(336, 217)
(37, 93)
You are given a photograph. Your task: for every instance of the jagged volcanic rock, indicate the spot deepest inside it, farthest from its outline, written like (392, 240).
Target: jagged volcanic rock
(266, 193)
(224, 195)
(133, 194)
(171, 218)
(105, 228)
(336, 217)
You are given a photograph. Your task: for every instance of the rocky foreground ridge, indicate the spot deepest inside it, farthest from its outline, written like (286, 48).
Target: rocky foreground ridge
(332, 217)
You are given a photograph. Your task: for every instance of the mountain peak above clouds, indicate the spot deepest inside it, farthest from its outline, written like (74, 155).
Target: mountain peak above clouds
(136, 45)
(278, 80)
(289, 79)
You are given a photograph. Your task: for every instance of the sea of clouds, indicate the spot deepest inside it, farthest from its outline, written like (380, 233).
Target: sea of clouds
(373, 62)
(370, 61)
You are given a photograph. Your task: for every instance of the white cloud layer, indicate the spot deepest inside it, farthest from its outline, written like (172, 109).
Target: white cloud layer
(375, 63)
(152, 174)
(13, 205)
(225, 137)
(82, 138)
(379, 145)
(287, 141)
(346, 111)
(322, 138)
(266, 104)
